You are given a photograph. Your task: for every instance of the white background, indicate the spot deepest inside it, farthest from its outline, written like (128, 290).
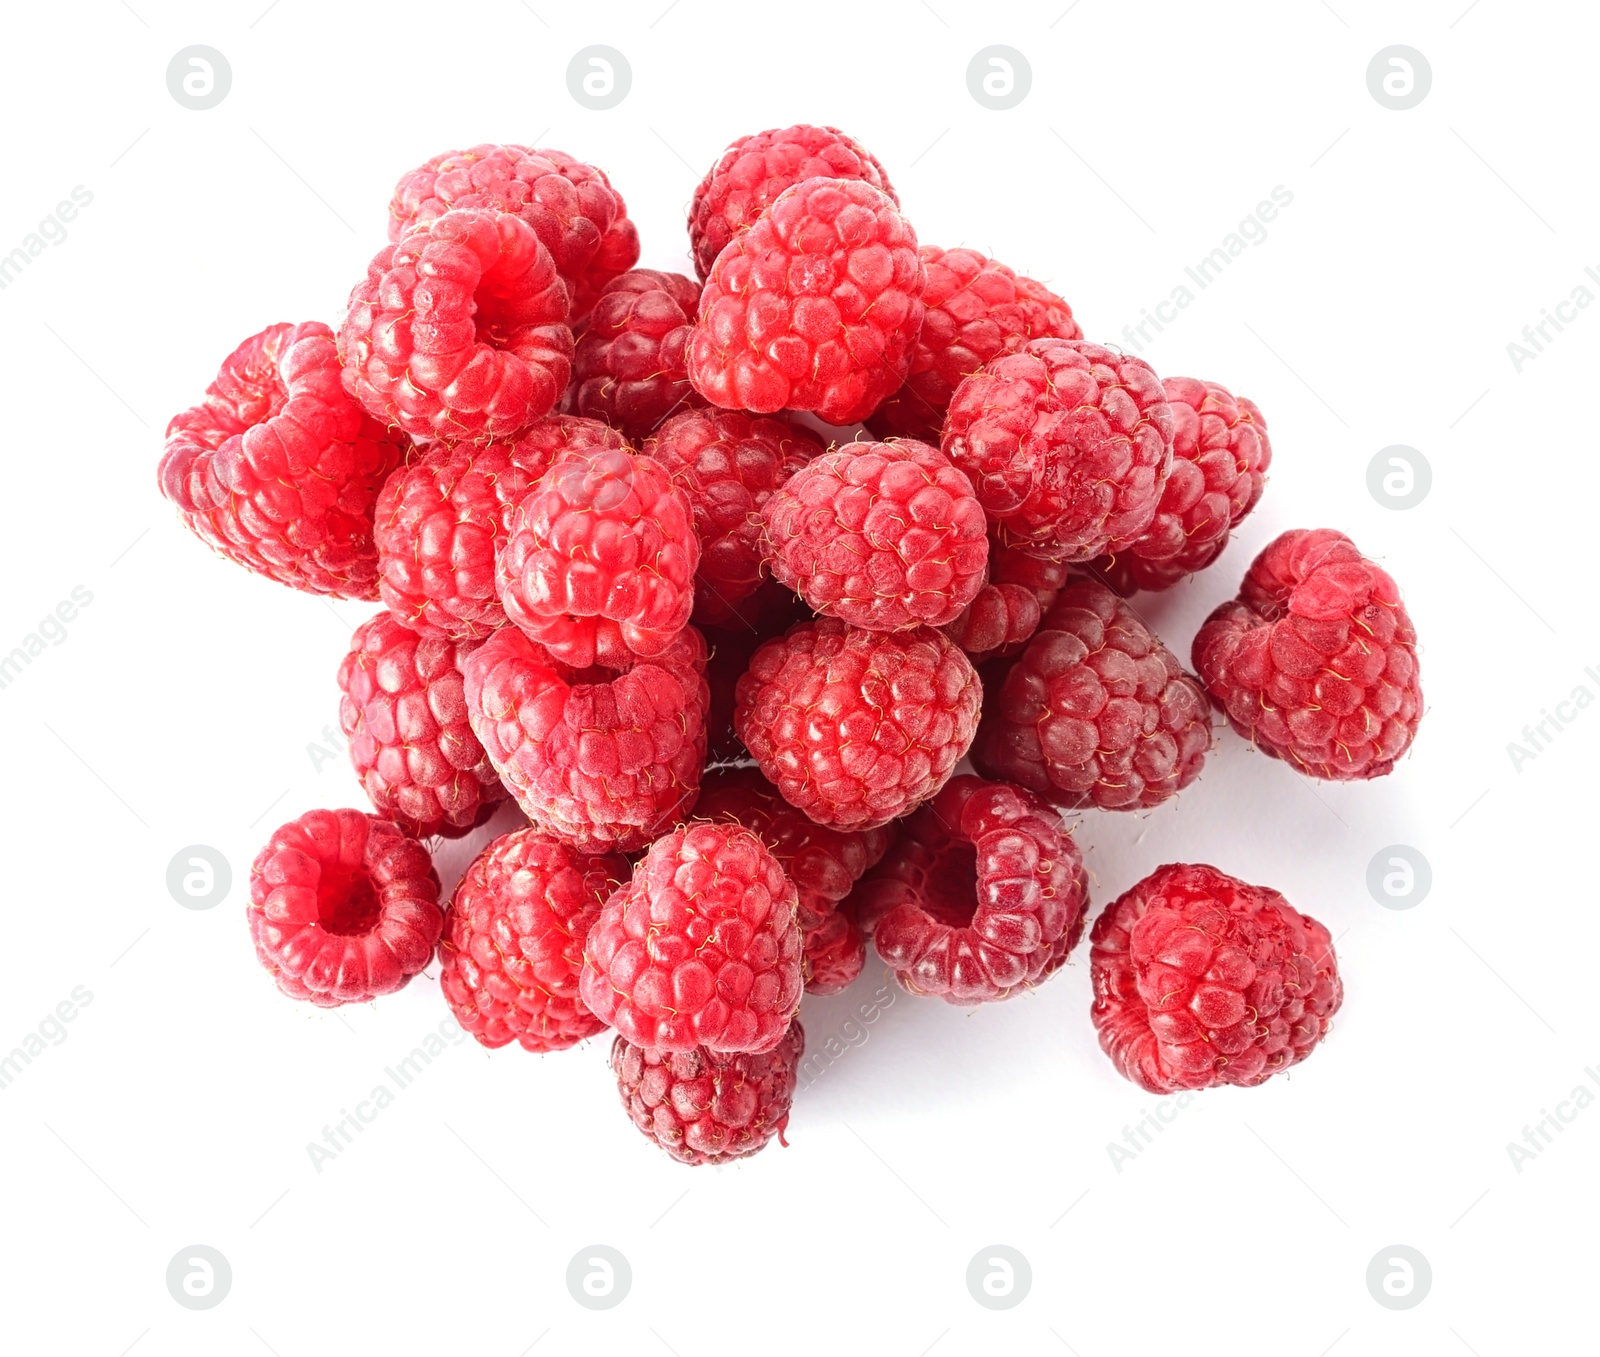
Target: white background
(181, 704)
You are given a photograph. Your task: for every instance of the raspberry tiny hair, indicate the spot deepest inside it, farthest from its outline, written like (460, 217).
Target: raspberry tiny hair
(459, 330)
(403, 711)
(572, 207)
(730, 464)
(1220, 456)
(1095, 711)
(277, 469)
(512, 946)
(977, 309)
(631, 364)
(599, 563)
(1201, 979)
(1315, 662)
(983, 894)
(344, 907)
(705, 1108)
(884, 536)
(602, 760)
(1068, 445)
(755, 169)
(853, 727)
(815, 307)
(701, 947)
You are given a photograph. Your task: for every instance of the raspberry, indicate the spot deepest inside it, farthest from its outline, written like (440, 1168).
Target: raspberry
(343, 907)
(459, 331)
(599, 563)
(823, 863)
(404, 716)
(983, 894)
(1068, 445)
(602, 761)
(441, 518)
(704, 1108)
(513, 941)
(977, 309)
(815, 307)
(856, 728)
(1202, 980)
(700, 948)
(754, 170)
(1316, 661)
(1095, 711)
(631, 366)
(1220, 456)
(997, 621)
(277, 469)
(880, 535)
(571, 207)
(729, 464)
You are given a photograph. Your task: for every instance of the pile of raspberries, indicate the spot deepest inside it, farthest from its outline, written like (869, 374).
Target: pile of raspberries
(721, 580)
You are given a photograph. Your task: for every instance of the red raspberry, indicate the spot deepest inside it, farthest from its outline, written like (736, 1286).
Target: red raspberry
(631, 367)
(459, 331)
(1316, 661)
(343, 907)
(754, 170)
(278, 469)
(835, 952)
(404, 714)
(1068, 445)
(983, 894)
(997, 622)
(815, 307)
(977, 309)
(884, 536)
(1220, 456)
(571, 207)
(1095, 711)
(441, 519)
(704, 1108)
(855, 727)
(599, 564)
(700, 948)
(603, 761)
(1202, 980)
(729, 464)
(513, 938)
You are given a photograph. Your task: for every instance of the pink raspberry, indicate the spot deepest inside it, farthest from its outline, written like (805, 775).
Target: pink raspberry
(754, 170)
(884, 536)
(1220, 456)
(729, 464)
(603, 761)
(815, 307)
(857, 728)
(982, 895)
(1316, 661)
(631, 365)
(1095, 711)
(277, 469)
(836, 953)
(459, 331)
(404, 714)
(599, 563)
(1068, 445)
(513, 939)
(700, 948)
(442, 517)
(977, 309)
(343, 907)
(571, 207)
(706, 1108)
(1202, 980)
